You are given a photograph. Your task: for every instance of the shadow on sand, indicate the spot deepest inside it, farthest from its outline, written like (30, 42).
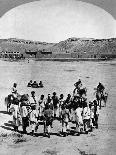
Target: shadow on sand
(8, 126)
(5, 112)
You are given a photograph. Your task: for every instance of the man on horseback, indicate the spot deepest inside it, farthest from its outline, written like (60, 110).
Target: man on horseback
(100, 95)
(100, 88)
(78, 86)
(14, 90)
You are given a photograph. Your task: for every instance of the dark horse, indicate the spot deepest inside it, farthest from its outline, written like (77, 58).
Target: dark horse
(9, 100)
(100, 96)
(80, 92)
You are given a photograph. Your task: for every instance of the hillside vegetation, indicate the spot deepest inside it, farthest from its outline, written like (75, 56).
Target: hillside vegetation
(71, 45)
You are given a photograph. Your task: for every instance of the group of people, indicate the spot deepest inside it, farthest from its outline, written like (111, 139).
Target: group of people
(30, 111)
(35, 84)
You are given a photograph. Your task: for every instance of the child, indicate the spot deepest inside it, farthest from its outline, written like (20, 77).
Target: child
(96, 113)
(86, 118)
(33, 118)
(61, 102)
(41, 106)
(15, 113)
(65, 119)
(48, 115)
(24, 116)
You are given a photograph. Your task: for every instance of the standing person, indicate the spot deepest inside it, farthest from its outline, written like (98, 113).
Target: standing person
(74, 106)
(92, 109)
(61, 102)
(33, 98)
(55, 103)
(33, 119)
(24, 115)
(68, 101)
(41, 106)
(65, 120)
(86, 117)
(15, 113)
(49, 101)
(96, 113)
(48, 116)
(79, 119)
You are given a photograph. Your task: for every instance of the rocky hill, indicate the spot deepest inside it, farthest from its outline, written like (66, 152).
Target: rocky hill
(71, 45)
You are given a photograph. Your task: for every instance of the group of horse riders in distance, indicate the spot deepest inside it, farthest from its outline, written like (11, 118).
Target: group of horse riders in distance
(35, 84)
(30, 111)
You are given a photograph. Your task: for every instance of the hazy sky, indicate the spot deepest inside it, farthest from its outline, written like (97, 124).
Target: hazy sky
(108, 5)
(56, 20)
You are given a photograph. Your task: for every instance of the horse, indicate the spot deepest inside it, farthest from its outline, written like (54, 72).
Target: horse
(101, 97)
(9, 99)
(80, 92)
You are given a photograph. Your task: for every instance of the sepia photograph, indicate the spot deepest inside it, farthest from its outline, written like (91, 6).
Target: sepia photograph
(57, 77)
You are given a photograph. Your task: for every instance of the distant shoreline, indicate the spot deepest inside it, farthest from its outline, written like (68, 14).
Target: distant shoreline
(71, 59)
(57, 59)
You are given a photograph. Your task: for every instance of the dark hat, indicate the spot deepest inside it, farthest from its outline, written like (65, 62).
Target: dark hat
(79, 82)
(69, 95)
(15, 84)
(33, 92)
(63, 106)
(54, 93)
(42, 95)
(61, 95)
(95, 102)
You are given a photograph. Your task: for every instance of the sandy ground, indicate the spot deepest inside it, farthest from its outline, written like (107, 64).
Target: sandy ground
(59, 77)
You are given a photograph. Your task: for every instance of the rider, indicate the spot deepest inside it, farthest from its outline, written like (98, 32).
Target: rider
(34, 84)
(77, 85)
(100, 88)
(14, 90)
(30, 83)
(40, 84)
